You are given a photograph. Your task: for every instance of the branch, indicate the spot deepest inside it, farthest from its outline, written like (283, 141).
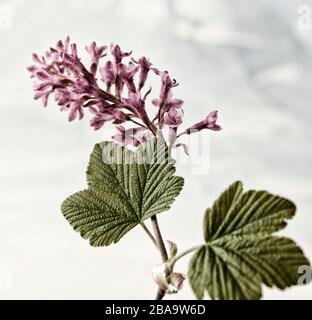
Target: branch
(162, 249)
(159, 239)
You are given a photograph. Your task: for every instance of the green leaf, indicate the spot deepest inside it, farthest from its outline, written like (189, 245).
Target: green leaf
(124, 189)
(240, 251)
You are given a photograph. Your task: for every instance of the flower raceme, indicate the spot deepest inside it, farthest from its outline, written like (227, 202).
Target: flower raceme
(118, 97)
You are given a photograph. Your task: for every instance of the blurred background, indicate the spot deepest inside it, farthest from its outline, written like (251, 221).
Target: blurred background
(251, 60)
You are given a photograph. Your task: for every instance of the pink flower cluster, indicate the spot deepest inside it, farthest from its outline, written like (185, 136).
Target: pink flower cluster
(118, 97)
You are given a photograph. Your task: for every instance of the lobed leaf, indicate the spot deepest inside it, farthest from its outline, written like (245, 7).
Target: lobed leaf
(124, 189)
(240, 251)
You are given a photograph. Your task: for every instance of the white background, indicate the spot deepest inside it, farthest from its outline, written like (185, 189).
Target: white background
(248, 59)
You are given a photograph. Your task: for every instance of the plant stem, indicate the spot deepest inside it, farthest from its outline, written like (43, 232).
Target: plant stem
(149, 233)
(160, 294)
(182, 254)
(162, 249)
(159, 239)
(140, 124)
(181, 134)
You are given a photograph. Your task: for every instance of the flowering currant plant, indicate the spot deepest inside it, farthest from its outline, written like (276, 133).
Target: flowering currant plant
(132, 178)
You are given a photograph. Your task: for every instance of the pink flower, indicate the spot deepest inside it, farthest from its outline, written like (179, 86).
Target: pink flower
(127, 73)
(208, 123)
(145, 67)
(137, 106)
(173, 118)
(132, 136)
(63, 47)
(108, 74)
(166, 106)
(166, 85)
(74, 110)
(106, 112)
(118, 54)
(96, 53)
(170, 102)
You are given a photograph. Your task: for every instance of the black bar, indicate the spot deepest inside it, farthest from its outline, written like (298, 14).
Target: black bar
(149, 309)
